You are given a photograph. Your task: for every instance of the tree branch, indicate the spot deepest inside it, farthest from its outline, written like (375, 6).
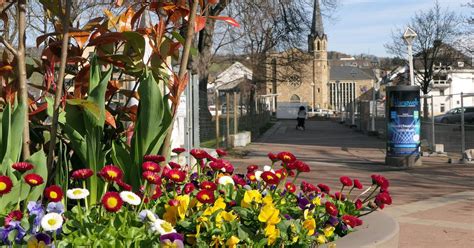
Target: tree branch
(8, 46)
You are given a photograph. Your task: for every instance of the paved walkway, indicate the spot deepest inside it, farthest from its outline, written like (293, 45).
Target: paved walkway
(434, 203)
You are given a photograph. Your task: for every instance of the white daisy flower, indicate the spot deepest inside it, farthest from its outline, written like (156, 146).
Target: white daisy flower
(51, 222)
(130, 198)
(268, 168)
(162, 227)
(258, 175)
(77, 193)
(223, 180)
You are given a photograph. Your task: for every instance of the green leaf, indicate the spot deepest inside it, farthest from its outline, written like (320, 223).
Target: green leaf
(12, 130)
(38, 159)
(121, 157)
(90, 106)
(136, 41)
(151, 122)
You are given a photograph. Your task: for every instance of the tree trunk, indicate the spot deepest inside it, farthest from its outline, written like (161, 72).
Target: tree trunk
(59, 86)
(22, 87)
(201, 65)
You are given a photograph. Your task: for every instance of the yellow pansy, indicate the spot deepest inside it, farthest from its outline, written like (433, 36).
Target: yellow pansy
(249, 197)
(310, 225)
(321, 239)
(317, 201)
(270, 215)
(268, 200)
(171, 214)
(272, 233)
(232, 242)
(183, 205)
(224, 216)
(328, 231)
(218, 204)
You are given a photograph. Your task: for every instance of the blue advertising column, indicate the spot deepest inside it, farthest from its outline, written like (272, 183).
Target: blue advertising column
(403, 126)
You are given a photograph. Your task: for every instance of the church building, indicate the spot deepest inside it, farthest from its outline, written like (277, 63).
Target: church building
(306, 76)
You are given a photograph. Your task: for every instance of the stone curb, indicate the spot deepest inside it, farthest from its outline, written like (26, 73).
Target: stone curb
(378, 231)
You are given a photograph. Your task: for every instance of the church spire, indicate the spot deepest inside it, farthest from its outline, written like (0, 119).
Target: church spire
(317, 29)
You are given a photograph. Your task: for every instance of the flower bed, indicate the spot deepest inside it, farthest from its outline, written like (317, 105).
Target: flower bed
(202, 205)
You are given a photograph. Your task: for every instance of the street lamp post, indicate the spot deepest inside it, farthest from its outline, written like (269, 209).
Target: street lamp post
(409, 36)
(374, 101)
(353, 98)
(339, 99)
(313, 95)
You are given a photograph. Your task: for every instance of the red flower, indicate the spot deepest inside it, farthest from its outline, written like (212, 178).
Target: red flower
(207, 185)
(251, 176)
(6, 185)
(351, 221)
(228, 167)
(54, 193)
(270, 178)
(156, 193)
(290, 187)
(205, 196)
(346, 181)
(291, 173)
(188, 188)
(154, 158)
(238, 180)
(174, 165)
(383, 198)
(286, 157)
(15, 215)
(151, 166)
(324, 188)
(308, 187)
(166, 170)
(281, 173)
(33, 179)
(176, 175)
(302, 167)
(331, 209)
(221, 152)
(112, 201)
(381, 181)
(357, 184)
(82, 174)
(199, 154)
(22, 166)
(216, 165)
(272, 157)
(173, 202)
(111, 173)
(123, 185)
(151, 177)
(358, 204)
(178, 150)
(251, 168)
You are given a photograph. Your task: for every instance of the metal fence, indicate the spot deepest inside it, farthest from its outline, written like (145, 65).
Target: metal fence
(231, 117)
(448, 125)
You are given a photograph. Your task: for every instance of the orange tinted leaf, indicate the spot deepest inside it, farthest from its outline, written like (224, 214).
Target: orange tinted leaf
(227, 19)
(80, 36)
(200, 24)
(109, 119)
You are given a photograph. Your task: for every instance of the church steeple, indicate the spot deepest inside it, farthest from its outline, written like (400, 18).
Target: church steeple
(317, 35)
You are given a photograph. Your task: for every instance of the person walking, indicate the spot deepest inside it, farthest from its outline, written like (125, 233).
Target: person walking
(301, 118)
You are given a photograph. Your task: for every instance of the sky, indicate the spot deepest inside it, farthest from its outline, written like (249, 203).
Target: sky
(363, 26)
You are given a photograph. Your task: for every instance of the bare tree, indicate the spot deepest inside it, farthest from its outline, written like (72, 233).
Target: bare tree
(436, 28)
(205, 43)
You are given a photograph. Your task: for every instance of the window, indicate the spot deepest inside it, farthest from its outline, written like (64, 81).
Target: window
(441, 93)
(319, 90)
(442, 108)
(319, 46)
(295, 98)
